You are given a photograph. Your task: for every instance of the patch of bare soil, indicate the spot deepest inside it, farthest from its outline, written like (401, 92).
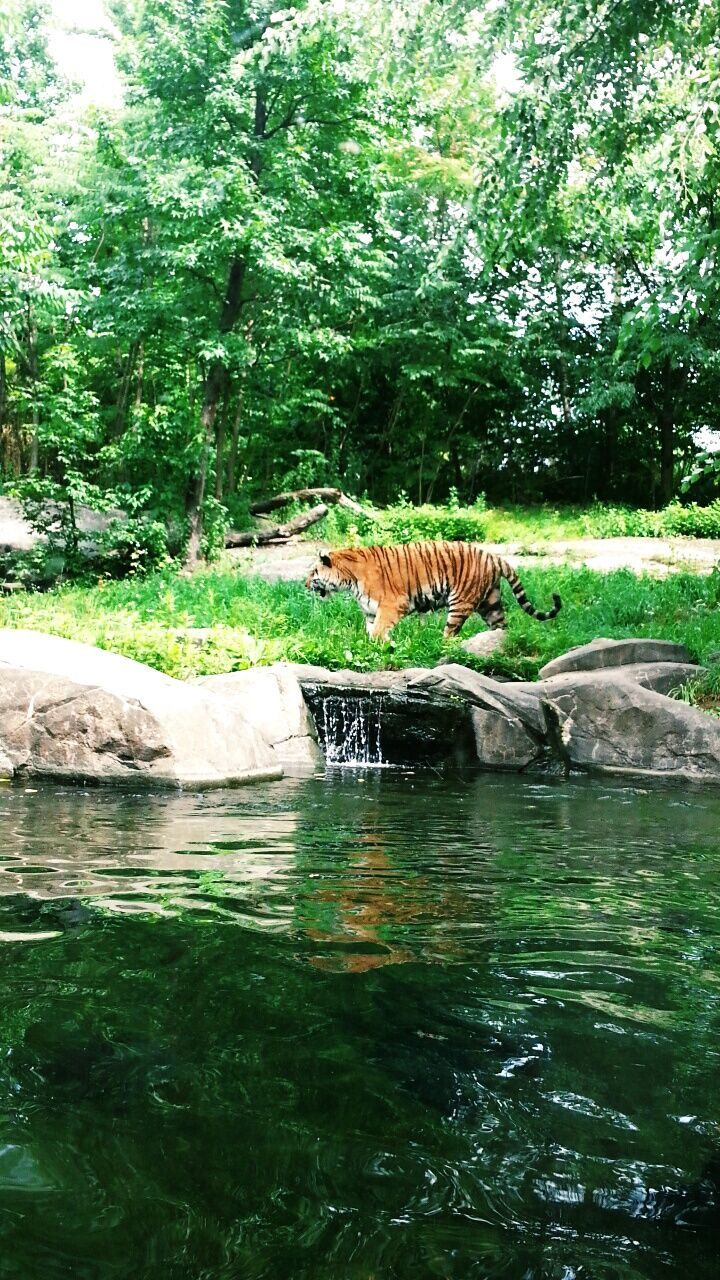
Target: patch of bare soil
(291, 561)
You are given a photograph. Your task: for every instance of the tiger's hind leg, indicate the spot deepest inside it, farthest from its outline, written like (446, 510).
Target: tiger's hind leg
(491, 610)
(458, 613)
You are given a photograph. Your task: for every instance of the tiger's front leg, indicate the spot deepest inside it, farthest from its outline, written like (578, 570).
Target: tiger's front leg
(385, 619)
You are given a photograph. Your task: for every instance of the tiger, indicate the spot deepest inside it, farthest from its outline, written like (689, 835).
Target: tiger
(417, 577)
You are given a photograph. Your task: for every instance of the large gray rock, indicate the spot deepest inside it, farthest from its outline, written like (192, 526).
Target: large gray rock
(508, 718)
(68, 710)
(614, 653)
(270, 699)
(7, 769)
(609, 723)
(615, 719)
(16, 534)
(520, 698)
(661, 677)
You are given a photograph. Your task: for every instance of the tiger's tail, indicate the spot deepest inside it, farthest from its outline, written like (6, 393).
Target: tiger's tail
(518, 591)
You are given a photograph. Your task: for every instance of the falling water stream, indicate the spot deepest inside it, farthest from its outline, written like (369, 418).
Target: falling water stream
(367, 1025)
(349, 730)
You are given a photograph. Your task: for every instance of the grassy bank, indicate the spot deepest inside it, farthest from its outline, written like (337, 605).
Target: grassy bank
(255, 622)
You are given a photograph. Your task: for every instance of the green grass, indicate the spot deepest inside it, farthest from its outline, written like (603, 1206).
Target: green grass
(534, 524)
(256, 622)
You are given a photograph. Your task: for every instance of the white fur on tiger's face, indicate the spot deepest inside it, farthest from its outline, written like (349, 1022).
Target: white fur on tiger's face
(325, 577)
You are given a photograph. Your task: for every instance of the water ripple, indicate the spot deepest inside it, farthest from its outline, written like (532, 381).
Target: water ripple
(363, 1025)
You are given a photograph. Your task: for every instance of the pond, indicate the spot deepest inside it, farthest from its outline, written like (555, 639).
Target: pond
(361, 1026)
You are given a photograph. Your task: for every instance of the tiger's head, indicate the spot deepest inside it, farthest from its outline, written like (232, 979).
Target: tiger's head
(326, 576)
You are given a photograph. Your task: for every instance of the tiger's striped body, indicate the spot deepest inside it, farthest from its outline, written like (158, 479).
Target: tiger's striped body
(390, 582)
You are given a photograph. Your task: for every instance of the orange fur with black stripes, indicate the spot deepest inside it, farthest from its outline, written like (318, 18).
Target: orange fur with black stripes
(390, 582)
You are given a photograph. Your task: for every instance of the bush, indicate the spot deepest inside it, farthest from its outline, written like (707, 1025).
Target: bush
(406, 523)
(136, 544)
(691, 521)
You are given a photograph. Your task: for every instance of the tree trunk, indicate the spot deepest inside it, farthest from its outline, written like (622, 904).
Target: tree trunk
(216, 379)
(278, 532)
(3, 388)
(140, 372)
(213, 390)
(214, 386)
(326, 494)
(33, 366)
(562, 358)
(220, 446)
(123, 398)
(232, 460)
(667, 435)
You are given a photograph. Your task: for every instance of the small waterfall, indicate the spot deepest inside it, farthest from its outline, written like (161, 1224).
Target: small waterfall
(349, 730)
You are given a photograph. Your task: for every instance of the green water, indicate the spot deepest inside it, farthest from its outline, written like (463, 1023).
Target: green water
(374, 1027)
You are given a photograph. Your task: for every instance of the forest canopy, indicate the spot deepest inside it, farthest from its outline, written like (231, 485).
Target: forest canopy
(395, 245)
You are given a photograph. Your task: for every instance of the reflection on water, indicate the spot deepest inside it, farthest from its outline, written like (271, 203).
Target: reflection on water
(366, 1026)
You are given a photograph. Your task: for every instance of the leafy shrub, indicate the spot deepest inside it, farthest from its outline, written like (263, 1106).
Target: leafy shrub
(137, 544)
(215, 525)
(692, 521)
(406, 523)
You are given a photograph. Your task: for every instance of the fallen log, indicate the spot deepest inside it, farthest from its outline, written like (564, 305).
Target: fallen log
(278, 532)
(334, 496)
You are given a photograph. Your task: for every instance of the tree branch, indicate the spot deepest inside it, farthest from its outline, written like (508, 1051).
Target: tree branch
(632, 260)
(200, 275)
(285, 123)
(335, 496)
(279, 532)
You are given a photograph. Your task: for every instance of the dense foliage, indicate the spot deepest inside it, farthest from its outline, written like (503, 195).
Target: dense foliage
(400, 246)
(404, 522)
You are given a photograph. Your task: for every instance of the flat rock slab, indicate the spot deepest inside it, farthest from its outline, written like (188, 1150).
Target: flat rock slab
(17, 534)
(661, 677)
(270, 699)
(617, 726)
(615, 653)
(355, 681)
(69, 710)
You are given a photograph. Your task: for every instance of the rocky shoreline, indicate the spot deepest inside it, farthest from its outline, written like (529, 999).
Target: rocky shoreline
(71, 712)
